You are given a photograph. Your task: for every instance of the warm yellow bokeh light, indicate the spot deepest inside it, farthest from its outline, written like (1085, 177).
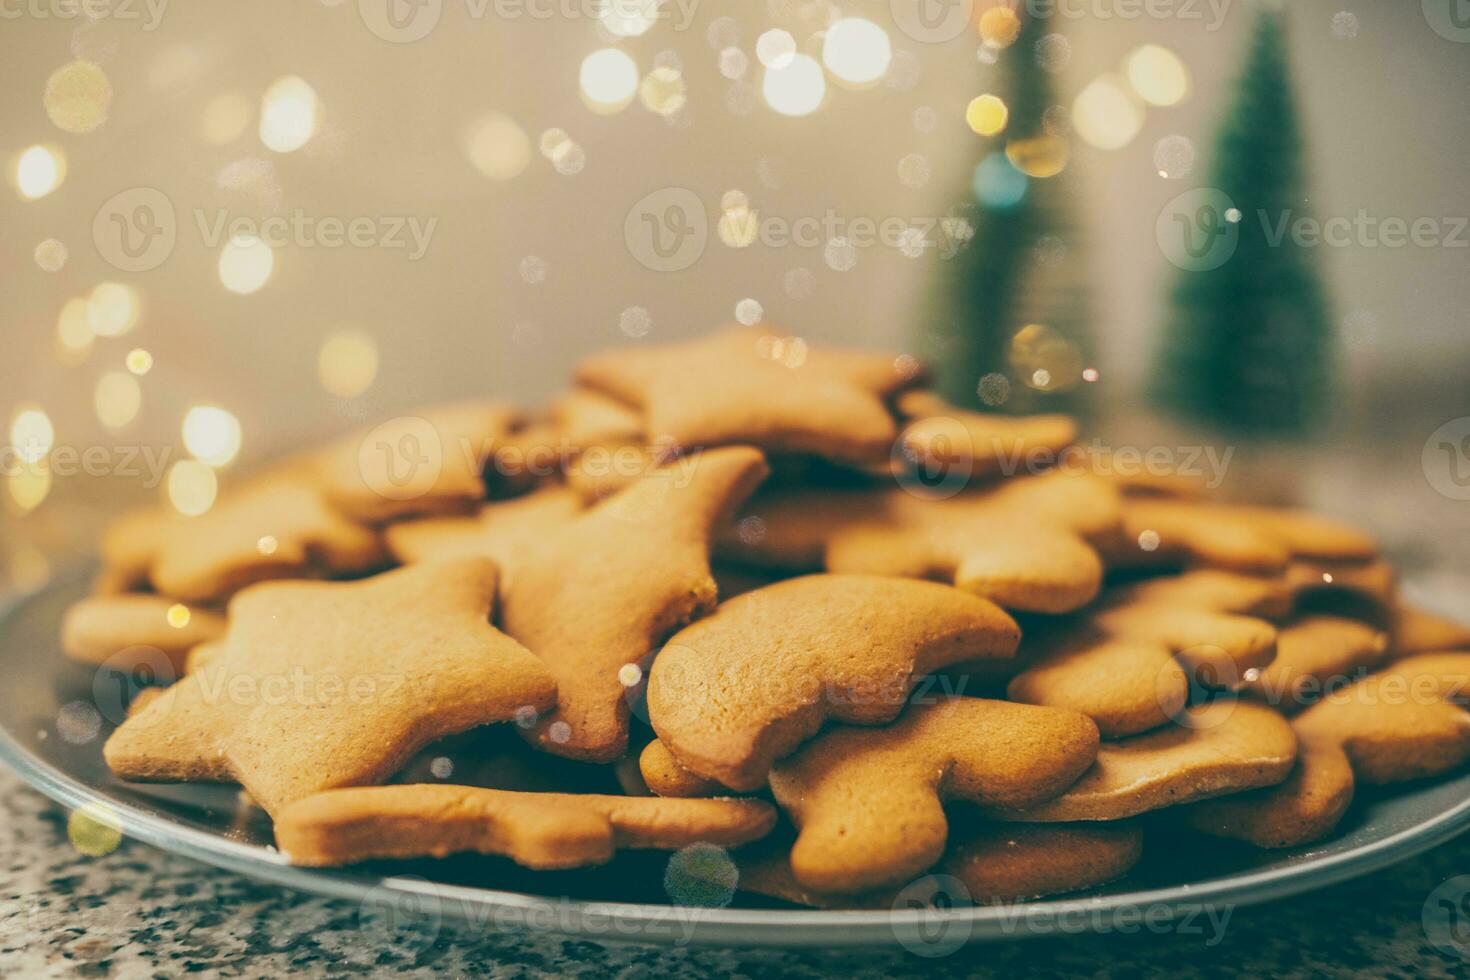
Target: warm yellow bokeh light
(113, 309)
(74, 330)
(628, 18)
(78, 96)
(288, 114)
(39, 170)
(1157, 75)
(347, 363)
(662, 91)
(856, 50)
(999, 27)
(775, 48)
(31, 433)
(1105, 115)
(94, 830)
(179, 615)
(117, 398)
(986, 115)
(245, 264)
(796, 90)
(192, 487)
(1040, 156)
(211, 434)
(497, 146)
(29, 486)
(139, 361)
(609, 80)
(225, 119)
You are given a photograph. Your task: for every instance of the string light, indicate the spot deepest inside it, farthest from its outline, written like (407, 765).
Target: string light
(986, 115)
(609, 80)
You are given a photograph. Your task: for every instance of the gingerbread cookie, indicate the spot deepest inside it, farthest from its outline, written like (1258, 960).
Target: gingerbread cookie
(1246, 539)
(127, 631)
(1418, 630)
(318, 686)
(733, 693)
(609, 450)
(1131, 664)
(1222, 747)
(430, 462)
(503, 531)
(275, 526)
(1305, 808)
(595, 599)
(994, 863)
(663, 775)
(1312, 654)
(129, 545)
(753, 386)
(537, 830)
(1027, 544)
(941, 439)
(869, 801)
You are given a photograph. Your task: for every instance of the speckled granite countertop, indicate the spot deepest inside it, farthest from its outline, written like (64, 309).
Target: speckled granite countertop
(139, 912)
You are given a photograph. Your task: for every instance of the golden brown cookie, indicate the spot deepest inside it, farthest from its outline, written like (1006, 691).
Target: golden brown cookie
(1401, 723)
(608, 446)
(1131, 664)
(942, 439)
(1026, 544)
(1246, 539)
(756, 387)
(503, 531)
(538, 830)
(1305, 808)
(126, 631)
(664, 776)
(321, 685)
(1312, 654)
(129, 545)
(277, 525)
(732, 693)
(1223, 747)
(868, 802)
(595, 599)
(1267, 596)
(994, 862)
(1418, 630)
(426, 462)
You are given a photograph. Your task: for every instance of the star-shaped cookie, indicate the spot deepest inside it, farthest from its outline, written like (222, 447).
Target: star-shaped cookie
(320, 685)
(595, 599)
(759, 388)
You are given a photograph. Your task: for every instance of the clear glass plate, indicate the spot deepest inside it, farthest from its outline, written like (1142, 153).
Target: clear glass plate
(1182, 875)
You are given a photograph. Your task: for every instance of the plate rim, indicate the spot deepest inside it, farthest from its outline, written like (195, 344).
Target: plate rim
(503, 910)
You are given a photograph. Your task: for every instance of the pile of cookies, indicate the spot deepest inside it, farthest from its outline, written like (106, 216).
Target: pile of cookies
(793, 605)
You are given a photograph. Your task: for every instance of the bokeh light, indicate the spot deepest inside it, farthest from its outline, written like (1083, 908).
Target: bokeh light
(50, 255)
(497, 146)
(225, 118)
(94, 830)
(78, 96)
(38, 171)
(986, 115)
(1105, 115)
(245, 264)
(997, 183)
(609, 80)
(139, 361)
(288, 114)
(1044, 358)
(662, 91)
(347, 363)
(856, 51)
(1039, 156)
(192, 487)
(999, 27)
(74, 335)
(31, 433)
(117, 399)
(775, 48)
(1157, 75)
(211, 434)
(113, 309)
(28, 486)
(797, 89)
(628, 18)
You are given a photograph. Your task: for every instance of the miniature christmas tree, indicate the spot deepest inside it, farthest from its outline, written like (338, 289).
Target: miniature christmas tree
(1007, 329)
(1247, 347)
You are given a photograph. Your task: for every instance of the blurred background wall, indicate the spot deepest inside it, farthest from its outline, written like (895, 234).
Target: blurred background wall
(523, 275)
